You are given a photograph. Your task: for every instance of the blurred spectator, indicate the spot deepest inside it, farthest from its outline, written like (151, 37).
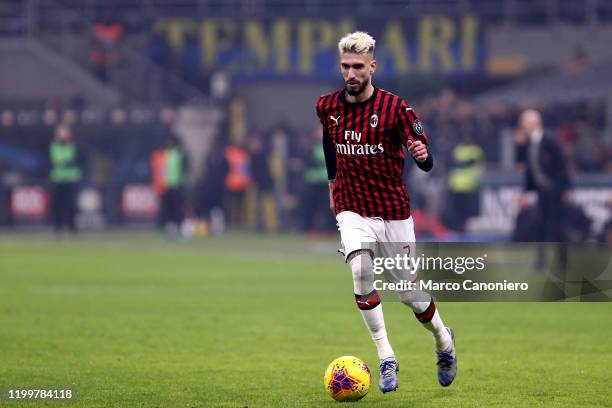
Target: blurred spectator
(297, 159)
(465, 170)
(237, 181)
(168, 166)
(263, 185)
(211, 188)
(315, 203)
(547, 174)
(105, 49)
(65, 175)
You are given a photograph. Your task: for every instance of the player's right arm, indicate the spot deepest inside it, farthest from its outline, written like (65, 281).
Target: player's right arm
(329, 150)
(330, 162)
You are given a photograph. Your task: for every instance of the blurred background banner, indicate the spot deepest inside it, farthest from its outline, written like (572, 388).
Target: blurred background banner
(197, 116)
(275, 48)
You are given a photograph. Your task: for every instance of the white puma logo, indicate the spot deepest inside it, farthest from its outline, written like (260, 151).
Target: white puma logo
(335, 119)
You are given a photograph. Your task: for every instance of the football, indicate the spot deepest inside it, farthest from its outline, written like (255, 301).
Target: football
(347, 378)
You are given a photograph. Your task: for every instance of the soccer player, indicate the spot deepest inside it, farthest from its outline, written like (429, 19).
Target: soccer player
(365, 130)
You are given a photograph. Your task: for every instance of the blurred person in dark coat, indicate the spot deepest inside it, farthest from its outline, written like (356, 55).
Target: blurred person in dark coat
(65, 175)
(547, 174)
(264, 184)
(211, 188)
(213, 180)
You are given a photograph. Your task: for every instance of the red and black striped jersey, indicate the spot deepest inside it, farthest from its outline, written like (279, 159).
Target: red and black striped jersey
(368, 138)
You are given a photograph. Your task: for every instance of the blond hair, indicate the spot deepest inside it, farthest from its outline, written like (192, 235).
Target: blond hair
(358, 42)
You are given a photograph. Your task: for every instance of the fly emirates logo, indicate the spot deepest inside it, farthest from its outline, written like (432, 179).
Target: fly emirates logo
(352, 145)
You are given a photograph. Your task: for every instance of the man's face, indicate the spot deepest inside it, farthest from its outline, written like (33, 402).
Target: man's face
(357, 70)
(526, 125)
(529, 122)
(63, 134)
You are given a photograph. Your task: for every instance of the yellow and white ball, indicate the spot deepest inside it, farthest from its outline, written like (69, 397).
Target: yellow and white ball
(347, 378)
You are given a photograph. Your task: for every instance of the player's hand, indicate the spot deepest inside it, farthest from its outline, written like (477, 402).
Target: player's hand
(418, 150)
(332, 205)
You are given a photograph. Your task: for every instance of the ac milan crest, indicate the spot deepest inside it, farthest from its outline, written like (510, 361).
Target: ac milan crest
(418, 127)
(374, 120)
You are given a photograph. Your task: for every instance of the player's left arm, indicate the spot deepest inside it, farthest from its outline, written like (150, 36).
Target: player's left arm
(413, 136)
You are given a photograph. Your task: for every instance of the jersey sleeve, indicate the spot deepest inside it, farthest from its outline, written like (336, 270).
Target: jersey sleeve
(320, 111)
(329, 151)
(409, 125)
(328, 145)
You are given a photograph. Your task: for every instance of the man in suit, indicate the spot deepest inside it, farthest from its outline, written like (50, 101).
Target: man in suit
(546, 173)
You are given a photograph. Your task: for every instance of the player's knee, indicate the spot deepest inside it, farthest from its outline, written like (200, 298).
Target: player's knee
(417, 300)
(362, 271)
(361, 266)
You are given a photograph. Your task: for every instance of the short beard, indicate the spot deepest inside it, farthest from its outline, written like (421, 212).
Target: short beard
(357, 91)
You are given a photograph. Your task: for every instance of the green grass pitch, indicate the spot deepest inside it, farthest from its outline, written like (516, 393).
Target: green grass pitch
(131, 320)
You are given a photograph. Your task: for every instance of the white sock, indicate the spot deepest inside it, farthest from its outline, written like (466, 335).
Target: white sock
(441, 336)
(375, 323)
(414, 299)
(366, 297)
